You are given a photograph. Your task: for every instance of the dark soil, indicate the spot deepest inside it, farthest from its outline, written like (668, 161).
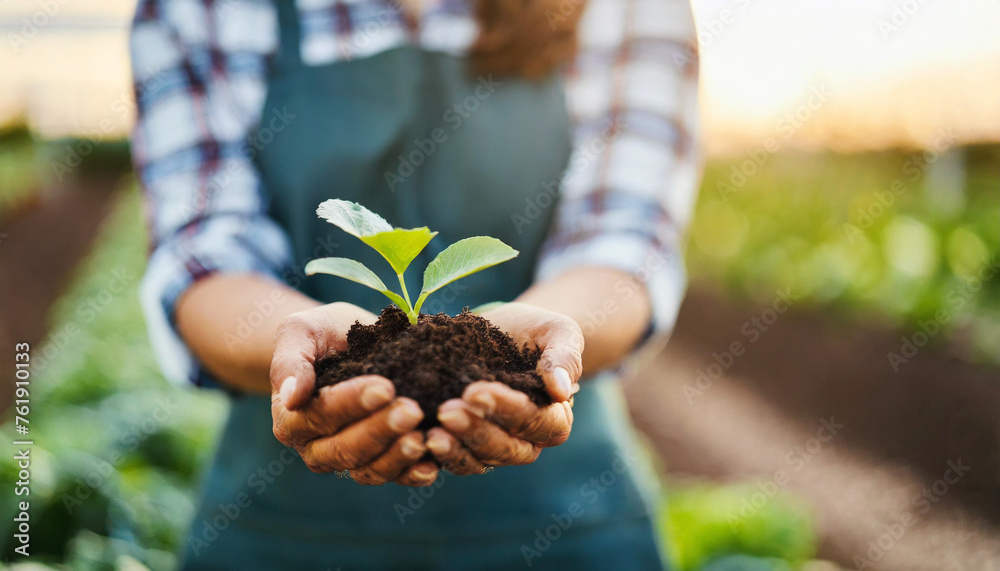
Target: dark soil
(434, 360)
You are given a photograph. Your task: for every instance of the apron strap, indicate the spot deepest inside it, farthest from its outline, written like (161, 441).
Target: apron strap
(289, 33)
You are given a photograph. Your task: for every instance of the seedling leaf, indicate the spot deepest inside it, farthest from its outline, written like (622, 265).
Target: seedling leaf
(352, 218)
(462, 258)
(399, 246)
(356, 272)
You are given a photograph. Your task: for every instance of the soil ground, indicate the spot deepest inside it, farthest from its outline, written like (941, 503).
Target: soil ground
(899, 436)
(42, 243)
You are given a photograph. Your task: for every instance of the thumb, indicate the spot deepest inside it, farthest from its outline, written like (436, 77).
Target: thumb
(561, 363)
(293, 377)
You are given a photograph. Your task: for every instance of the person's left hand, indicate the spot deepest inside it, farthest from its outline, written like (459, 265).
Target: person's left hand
(495, 425)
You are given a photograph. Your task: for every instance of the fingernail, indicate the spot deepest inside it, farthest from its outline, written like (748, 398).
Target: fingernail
(455, 419)
(485, 400)
(562, 380)
(375, 396)
(438, 444)
(576, 388)
(411, 449)
(424, 472)
(287, 389)
(403, 417)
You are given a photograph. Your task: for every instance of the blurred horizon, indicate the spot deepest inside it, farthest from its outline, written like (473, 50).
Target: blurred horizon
(770, 69)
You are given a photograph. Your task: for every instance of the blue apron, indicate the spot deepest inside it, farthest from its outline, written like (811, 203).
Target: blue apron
(412, 136)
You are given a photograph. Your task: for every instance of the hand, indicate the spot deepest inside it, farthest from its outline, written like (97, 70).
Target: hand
(495, 425)
(354, 425)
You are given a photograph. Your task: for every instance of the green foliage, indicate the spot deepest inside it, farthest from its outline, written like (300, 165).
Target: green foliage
(399, 247)
(118, 450)
(19, 179)
(703, 523)
(95, 384)
(888, 236)
(463, 258)
(356, 272)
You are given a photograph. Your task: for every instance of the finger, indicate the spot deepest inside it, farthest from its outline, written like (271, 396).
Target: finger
(489, 443)
(560, 367)
(561, 362)
(348, 401)
(420, 475)
(387, 467)
(513, 410)
(334, 407)
(363, 441)
(297, 342)
(450, 453)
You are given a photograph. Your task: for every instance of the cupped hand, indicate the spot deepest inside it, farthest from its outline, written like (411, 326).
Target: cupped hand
(359, 424)
(495, 425)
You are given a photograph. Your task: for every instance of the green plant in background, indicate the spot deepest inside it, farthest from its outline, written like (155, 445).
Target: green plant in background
(399, 246)
(118, 451)
(96, 385)
(890, 236)
(19, 178)
(703, 523)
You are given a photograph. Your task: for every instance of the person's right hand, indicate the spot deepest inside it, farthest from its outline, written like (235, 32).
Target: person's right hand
(355, 425)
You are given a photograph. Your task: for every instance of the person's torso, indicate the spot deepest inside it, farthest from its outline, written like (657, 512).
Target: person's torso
(409, 134)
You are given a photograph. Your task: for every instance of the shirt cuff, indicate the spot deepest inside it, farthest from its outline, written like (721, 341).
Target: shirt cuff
(659, 269)
(175, 266)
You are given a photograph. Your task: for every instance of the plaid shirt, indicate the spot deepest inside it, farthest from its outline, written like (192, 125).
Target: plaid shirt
(200, 72)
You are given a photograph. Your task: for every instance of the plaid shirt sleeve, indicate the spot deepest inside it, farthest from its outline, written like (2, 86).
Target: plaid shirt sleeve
(633, 176)
(199, 70)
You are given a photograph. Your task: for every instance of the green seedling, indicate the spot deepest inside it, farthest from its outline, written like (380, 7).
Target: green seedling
(399, 246)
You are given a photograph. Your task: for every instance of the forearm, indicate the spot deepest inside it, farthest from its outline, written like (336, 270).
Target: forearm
(611, 307)
(229, 324)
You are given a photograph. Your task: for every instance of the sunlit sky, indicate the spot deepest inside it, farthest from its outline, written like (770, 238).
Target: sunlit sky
(889, 80)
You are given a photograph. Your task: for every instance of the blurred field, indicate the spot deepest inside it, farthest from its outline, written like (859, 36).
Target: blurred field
(117, 483)
(117, 477)
(888, 249)
(891, 236)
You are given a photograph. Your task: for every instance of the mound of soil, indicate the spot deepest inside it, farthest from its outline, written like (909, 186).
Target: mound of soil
(434, 360)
